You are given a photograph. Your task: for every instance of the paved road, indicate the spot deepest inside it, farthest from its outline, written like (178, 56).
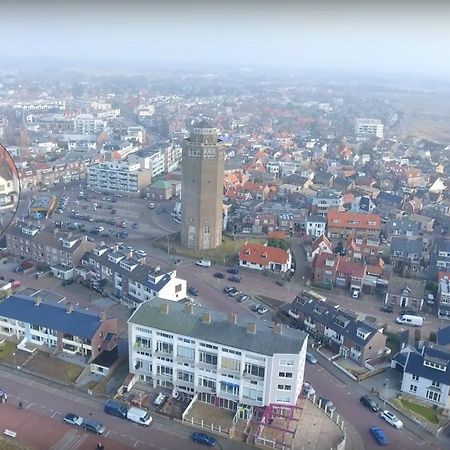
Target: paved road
(345, 394)
(43, 398)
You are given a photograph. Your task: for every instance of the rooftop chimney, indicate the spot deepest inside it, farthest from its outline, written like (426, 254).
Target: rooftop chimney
(189, 308)
(157, 269)
(278, 328)
(164, 308)
(232, 318)
(206, 318)
(38, 300)
(251, 328)
(69, 308)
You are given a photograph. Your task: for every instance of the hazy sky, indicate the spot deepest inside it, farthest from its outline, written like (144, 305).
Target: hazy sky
(359, 35)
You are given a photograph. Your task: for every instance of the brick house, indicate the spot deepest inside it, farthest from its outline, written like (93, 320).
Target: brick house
(341, 225)
(405, 292)
(263, 257)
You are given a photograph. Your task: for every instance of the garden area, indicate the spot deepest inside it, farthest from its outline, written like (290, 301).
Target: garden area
(419, 410)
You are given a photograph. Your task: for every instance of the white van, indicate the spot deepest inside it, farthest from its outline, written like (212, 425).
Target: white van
(204, 263)
(406, 319)
(140, 416)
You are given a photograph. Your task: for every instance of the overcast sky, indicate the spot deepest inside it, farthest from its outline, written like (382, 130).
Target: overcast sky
(364, 35)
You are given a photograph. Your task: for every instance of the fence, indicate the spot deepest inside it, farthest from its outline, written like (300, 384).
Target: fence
(227, 432)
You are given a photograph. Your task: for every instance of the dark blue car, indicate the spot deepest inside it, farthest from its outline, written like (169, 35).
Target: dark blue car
(203, 438)
(379, 436)
(233, 270)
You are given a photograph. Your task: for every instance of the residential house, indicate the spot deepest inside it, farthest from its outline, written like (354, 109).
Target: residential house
(221, 359)
(406, 255)
(62, 329)
(128, 278)
(362, 204)
(427, 375)
(160, 190)
(405, 293)
(315, 225)
(443, 296)
(263, 257)
(321, 245)
(402, 227)
(61, 251)
(326, 200)
(336, 270)
(365, 249)
(387, 199)
(341, 225)
(439, 258)
(351, 336)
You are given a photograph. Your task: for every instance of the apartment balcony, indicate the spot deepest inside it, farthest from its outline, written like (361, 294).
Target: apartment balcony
(309, 324)
(250, 376)
(206, 389)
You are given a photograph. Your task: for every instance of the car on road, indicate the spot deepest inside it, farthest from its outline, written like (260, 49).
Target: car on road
(193, 291)
(233, 270)
(326, 403)
(379, 436)
(308, 389)
(93, 426)
(388, 308)
(235, 279)
(219, 275)
(391, 419)
(369, 402)
(203, 438)
(73, 419)
(262, 310)
(151, 206)
(311, 358)
(203, 263)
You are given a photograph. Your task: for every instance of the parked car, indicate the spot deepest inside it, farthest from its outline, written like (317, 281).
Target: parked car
(203, 438)
(242, 298)
(391, 419)
(308, 389)
(228, 289)
(233, 292)
(326, 403)
(255, 307)
(115, 408)
(219, 275)
(192, 291)
(140, 416)
(73, 419)
(233, 270)
(369, 402)
(262, 310)
(141, 253)
(379, 436)
(388, 308)
(151, 206)
(235, 279)
(93, 426)
(311, 358)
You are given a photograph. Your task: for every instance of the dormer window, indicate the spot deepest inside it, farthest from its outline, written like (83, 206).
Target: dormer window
(434, 365)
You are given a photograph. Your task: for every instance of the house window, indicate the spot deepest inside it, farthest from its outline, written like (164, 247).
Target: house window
(413, 388)
(284, 387)
(435, 383)
(434, 396)
(284, 374)
(286, 362)
(415, 377)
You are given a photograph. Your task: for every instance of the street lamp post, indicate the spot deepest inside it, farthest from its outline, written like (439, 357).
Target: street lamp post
(386, 389)
(14, 356)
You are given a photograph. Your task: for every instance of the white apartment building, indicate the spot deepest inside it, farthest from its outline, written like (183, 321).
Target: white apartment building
(217, 358)
(88, 124)
(369, 127)
(316, 225)
(118, 176)
(444, 298)
(325, 200)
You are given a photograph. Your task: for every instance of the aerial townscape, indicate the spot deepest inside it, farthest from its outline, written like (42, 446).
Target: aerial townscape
(241, 251)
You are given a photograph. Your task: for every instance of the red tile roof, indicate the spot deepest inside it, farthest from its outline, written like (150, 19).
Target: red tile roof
(348, 219)
(262, 254)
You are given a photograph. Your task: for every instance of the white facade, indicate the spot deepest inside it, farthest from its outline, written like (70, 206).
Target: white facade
(211, 369)
(369, 127)
(88, 124)
(120, 176)
(315, 228)
(427, 389)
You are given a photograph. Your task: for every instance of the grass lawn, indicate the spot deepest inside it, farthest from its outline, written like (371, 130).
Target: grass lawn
(54, 368)
(224, 254)
(426, 412)
(393, 343)
(6, 351)
(6, 444)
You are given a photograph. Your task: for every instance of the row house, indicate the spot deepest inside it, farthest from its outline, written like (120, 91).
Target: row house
(439, 258)
(320, 245)
(315, 225)
(61, 251)
(443, 297)
(65, 330)
(406, 254)
(341, 330)
(337, 270)
(362, 249)
(341, 225)
(129, 278)
(218, 358)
